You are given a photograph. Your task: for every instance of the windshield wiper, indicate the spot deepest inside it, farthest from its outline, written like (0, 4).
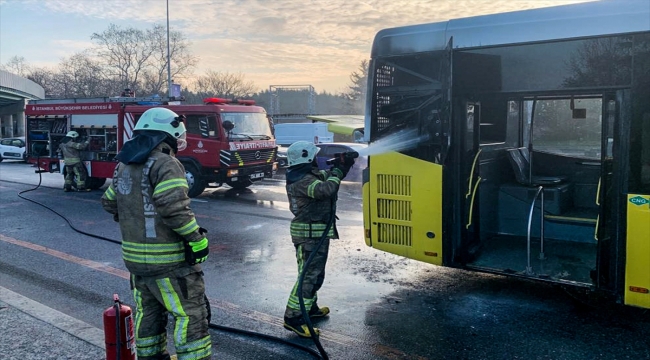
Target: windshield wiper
(264, 137)
(248, 136)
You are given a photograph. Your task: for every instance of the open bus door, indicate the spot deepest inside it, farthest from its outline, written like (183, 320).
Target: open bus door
(414, 94)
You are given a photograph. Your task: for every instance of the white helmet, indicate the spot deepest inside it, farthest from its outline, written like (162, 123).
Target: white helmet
(163, 119)
(72, 134)
(301, 152)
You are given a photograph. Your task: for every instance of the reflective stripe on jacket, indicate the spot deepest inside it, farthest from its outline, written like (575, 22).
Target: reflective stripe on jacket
(152, 207)
(70, 151)
(312, 200)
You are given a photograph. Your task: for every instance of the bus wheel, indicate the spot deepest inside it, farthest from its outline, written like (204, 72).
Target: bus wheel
(194, 181)
(95, 182)
(243, 184)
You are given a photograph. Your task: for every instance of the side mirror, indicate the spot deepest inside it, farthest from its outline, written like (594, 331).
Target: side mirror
(228, 125)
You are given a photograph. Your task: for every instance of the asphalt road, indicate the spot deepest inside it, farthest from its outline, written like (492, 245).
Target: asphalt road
(383, 306)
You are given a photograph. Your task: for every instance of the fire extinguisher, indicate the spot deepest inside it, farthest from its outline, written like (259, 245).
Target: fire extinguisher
(118, 331)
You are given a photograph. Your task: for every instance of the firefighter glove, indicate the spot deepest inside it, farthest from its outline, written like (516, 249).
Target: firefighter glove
(339, 170)
(196, 252)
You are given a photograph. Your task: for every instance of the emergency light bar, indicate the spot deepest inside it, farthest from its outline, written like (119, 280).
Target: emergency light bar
(214, 100)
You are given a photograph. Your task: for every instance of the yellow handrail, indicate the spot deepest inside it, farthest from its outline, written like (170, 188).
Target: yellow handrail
(471, 175)
(471, 204)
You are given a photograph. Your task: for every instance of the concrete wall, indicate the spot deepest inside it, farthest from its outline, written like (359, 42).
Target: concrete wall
(14, 92)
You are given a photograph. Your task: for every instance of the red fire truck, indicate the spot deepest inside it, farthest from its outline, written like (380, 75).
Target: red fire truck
(228, 141)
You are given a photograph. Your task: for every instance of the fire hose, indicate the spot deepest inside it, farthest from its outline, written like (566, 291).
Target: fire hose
(321, 354)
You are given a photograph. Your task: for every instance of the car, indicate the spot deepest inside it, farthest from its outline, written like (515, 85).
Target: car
(13, 149)
(327, 151)
(281, 157)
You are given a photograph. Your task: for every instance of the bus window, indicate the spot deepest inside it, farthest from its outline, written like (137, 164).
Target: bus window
(570, 127)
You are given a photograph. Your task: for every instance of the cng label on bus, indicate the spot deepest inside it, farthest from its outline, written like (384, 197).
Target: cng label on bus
(639, 200)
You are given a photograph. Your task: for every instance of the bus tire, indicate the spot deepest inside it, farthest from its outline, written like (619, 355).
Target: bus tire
(194, 181)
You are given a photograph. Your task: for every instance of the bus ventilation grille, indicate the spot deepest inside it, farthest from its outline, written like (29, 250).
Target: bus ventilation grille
(394, 234)
(394, 209)
(394, 184)
(391, 208)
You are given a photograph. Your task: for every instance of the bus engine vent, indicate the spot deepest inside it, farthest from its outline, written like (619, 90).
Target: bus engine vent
(394, 234)
(394, 209)
(394, 184)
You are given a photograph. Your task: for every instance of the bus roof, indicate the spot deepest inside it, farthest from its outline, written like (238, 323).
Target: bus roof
(543, 24)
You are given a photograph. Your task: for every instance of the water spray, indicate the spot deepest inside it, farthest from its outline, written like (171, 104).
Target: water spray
(400, 141)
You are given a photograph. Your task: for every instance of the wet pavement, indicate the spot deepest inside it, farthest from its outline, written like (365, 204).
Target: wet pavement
(383, 306)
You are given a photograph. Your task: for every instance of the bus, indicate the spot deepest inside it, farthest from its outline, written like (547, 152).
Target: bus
(536, 162)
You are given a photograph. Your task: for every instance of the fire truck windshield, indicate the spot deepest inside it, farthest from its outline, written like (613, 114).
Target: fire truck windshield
(250, 125)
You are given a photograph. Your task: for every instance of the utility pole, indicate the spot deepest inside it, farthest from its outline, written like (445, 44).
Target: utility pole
(169, 64)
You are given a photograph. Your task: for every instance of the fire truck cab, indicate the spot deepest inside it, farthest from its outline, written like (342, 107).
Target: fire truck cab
(229, 141)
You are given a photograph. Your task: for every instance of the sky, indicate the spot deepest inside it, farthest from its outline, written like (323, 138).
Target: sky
(270, 42)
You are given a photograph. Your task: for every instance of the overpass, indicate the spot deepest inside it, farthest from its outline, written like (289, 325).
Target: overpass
(14, 93)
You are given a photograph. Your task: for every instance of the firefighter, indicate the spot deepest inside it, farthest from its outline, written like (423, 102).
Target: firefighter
(162, 244)
(312, 197)
(70, 149)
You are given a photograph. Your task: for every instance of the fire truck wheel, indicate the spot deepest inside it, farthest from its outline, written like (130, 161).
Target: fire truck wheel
(95, 182)
(194, 181)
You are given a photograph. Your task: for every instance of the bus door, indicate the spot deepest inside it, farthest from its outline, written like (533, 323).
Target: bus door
(404, 192)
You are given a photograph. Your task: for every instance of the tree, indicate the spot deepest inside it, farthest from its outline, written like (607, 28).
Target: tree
(138, 59)
(154, 79)
(356, 94)
(17, 65)
(82, 76)
(223, 84)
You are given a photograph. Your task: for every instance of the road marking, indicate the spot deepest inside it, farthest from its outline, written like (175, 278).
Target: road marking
(340, 339)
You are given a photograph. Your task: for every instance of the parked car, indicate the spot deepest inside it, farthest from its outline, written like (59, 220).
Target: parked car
(328, 150)
(13, 149)
(282, 157)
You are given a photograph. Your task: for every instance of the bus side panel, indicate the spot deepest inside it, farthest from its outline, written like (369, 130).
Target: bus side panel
(637, 266)
(405, 202)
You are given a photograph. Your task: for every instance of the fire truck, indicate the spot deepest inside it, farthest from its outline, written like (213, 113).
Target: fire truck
(228, 141)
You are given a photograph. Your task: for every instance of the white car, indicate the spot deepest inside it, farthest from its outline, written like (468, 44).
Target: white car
(13, 149)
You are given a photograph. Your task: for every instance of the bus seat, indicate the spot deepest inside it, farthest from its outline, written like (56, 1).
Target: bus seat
(520, 161)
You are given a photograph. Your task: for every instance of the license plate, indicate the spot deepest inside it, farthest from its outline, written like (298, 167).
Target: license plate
(257, 176)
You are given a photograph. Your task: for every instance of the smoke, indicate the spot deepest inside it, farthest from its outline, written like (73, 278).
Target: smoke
(400, 141)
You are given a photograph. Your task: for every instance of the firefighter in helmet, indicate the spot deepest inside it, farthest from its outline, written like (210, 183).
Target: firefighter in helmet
(312, 197)
(70, 148)
(162, 244)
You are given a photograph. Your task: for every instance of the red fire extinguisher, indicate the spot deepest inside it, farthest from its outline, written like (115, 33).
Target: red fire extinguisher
(118, 331)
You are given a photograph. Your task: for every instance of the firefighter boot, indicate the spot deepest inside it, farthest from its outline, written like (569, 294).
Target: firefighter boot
(317, 312)
(67, 189)
(298, 326)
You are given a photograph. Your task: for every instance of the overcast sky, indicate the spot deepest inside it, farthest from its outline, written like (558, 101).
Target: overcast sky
(272, 42)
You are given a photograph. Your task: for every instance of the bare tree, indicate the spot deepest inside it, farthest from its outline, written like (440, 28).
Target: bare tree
(124, 52)
(139, 58)
(17, 65)
(356, 93)
(154, 79)
(46, 79)
(82, 76)
(223, 84)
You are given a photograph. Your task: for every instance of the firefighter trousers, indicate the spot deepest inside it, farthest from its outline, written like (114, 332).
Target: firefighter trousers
(182, 296)
(77, 170)
(314, 277)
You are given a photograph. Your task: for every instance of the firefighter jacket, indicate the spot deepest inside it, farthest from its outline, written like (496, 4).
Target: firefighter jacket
(312, 200)
(70, 151)
(149, 199)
